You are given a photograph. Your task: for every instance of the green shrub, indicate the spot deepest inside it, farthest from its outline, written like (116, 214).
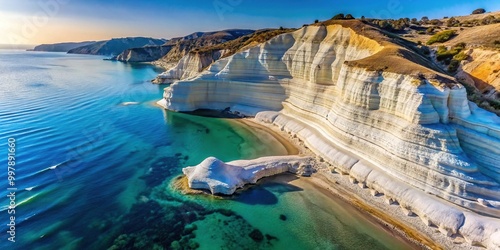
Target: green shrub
(451, 57)
(460, 46)
(445, 55)
(467, 23)
(453, 66)
(494, 103)
(424, 20)
(478, 11)
(384, 24)
(338, 16)
(488, 20)
(452, 22)
(425, 50)
(435, 22)
(441, 37)
(496, 44)
(349, 16)
(460, 56)
(442, 49)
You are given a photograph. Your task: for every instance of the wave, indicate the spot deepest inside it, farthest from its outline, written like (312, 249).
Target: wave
(16, 113)
(49, 168)
(28, 217)
(30, 188)
(129, 103)
(24, 201)
(24, 131)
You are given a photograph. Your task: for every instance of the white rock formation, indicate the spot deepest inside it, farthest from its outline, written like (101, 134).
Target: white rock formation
(372, 110)
(190, 65)
(225, 178)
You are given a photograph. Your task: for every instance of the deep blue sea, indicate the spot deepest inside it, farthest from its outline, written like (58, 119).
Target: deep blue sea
(94, 160)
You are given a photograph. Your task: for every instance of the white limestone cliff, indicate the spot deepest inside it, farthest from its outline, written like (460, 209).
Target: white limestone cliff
(190, 65)
(373, 110)
(224, 178)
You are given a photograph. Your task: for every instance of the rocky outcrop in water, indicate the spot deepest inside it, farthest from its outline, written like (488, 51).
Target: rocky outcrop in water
(224, 178)
(372, 109)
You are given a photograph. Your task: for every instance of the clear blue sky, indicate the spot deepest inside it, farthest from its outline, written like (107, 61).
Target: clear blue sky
(45, 21)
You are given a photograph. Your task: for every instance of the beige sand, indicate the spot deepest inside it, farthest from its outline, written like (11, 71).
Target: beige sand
(291, 148)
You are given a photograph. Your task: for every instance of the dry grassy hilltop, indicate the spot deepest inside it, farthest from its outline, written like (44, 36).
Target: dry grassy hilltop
(465, 47)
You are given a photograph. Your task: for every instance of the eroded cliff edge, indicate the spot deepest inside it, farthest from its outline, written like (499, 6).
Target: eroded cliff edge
(372, 109)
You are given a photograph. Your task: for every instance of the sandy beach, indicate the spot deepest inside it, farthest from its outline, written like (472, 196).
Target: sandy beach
(290, 147)
(388, 217)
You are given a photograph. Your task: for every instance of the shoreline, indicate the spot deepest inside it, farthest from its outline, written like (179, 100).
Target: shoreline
(388, 217)
(290, 147)
(317, 183)
(391, 225)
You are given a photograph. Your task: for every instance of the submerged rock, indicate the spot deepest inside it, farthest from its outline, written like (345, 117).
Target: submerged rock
(256, 235)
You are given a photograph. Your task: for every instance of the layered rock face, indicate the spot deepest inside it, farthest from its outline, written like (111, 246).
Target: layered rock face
(183, 45)
(200, 58)
(393, 123)
(190, 65)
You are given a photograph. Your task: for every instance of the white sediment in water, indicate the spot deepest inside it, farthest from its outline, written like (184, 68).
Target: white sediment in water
(418, 142)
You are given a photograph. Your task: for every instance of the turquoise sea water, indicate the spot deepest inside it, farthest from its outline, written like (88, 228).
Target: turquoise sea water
(95, 159)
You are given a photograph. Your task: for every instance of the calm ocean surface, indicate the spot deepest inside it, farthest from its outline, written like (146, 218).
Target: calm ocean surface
(95, 158)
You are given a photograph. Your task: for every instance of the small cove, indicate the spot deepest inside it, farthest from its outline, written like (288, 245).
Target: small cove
(95, 160)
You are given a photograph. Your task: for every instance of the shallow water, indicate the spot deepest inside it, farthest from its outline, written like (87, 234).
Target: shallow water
(94, 160)
(294, 215)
